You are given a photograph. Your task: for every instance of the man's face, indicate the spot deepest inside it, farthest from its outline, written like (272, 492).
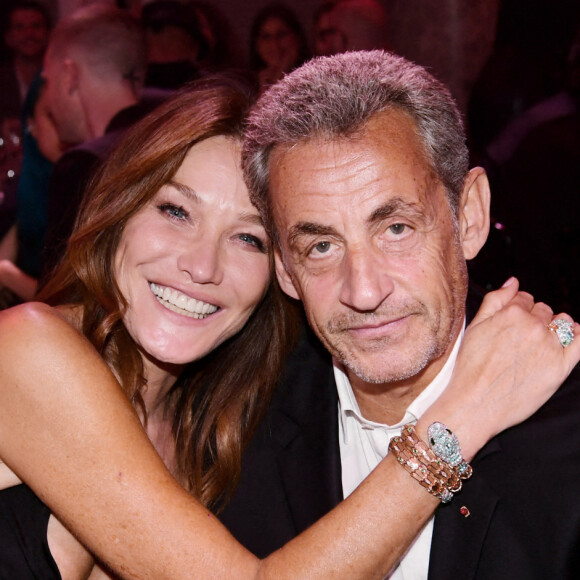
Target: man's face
(27, 35)
(371, 247)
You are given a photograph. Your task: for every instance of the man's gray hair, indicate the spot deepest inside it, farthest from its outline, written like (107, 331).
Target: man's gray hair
(336, 96)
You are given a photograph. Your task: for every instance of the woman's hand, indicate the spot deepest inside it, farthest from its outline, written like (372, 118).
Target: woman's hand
(508, 366)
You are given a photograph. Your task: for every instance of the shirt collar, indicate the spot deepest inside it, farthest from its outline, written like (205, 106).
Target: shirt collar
(349, 406)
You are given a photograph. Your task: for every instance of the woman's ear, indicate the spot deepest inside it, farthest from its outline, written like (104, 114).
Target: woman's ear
(284, 278)
(474, 212)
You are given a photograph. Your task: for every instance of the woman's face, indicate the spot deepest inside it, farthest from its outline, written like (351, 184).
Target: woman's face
(193, 263)
(277, 45)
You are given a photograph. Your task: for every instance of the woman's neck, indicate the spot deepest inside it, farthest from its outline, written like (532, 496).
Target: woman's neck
(160, 378)
(158, 382)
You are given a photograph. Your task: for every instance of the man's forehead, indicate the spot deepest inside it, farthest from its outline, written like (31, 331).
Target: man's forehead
(382, 135)
(392, 118)
(367, 171)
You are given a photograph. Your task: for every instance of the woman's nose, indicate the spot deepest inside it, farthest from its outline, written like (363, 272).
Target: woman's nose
(202, 263)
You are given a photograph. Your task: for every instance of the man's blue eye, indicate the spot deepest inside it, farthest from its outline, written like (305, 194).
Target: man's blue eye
(322, 247)
(397, 229)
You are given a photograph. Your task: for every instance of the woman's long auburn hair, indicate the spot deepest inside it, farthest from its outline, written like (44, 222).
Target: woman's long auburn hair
(217, 401)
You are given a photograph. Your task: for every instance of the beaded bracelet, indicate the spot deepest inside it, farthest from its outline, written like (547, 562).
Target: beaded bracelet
(434, 474)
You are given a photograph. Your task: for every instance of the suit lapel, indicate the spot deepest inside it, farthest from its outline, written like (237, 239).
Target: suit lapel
(310, 474)
(306, 419)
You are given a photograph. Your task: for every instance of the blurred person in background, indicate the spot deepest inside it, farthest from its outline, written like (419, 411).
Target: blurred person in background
(537, 172)
(28, 28)
(94, 72)
(277, 44)
(225, 49)
(25, 37)
(342, 25)
(41, 148)
(175, 43)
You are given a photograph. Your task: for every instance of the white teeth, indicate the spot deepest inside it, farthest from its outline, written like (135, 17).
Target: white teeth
(180, 303)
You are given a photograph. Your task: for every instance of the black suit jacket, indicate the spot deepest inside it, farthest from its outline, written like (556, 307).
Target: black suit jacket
(523, 499)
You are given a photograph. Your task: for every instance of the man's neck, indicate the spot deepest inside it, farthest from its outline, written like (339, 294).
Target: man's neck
(386, 402)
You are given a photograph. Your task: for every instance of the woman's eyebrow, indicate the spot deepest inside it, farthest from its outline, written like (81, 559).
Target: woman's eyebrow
(252, 218)
(189, 193)
(184, 190)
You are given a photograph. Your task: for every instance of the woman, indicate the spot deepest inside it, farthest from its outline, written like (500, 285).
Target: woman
(165, 275)
(277, 44)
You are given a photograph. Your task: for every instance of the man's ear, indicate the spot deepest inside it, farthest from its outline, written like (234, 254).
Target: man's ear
(71, 76)
(284, 278)
(474, 212)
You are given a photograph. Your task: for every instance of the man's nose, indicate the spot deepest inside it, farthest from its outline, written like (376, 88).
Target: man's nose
(366, 280)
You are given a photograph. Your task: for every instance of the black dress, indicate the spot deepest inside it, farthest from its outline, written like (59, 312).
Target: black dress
(24, 551)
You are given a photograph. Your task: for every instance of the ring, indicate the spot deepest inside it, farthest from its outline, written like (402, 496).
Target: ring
(564, 331)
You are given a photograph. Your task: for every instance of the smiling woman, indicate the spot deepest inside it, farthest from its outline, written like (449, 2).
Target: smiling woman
(182, 236)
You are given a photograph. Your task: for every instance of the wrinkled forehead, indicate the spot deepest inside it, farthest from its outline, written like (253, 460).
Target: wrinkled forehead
(384, 132)
(386, 157)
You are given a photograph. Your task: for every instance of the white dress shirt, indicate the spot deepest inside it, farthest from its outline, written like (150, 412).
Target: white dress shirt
(364, 443)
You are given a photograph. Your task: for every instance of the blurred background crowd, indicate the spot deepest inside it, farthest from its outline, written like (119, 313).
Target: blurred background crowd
(512, 65)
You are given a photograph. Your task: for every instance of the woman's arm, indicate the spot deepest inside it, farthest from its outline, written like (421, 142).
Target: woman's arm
(67, 430)
(508, 365)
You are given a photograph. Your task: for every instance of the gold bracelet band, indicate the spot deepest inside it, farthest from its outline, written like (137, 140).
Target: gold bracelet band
(434, 474)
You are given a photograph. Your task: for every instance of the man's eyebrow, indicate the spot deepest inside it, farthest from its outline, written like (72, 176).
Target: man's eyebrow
(393, 206)
(302, 229)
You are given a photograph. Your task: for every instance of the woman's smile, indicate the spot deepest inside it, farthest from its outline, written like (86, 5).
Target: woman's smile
(181, 303)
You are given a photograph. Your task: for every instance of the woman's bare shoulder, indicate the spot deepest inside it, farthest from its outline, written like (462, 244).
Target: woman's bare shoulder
(37, 338)
(37, 313)
(37, 322)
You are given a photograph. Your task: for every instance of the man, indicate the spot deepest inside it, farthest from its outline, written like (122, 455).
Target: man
(342, 25)
(26, 37)
(358, 163)
(94, 71)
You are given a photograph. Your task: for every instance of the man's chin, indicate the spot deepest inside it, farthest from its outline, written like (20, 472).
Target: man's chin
(380, 369)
